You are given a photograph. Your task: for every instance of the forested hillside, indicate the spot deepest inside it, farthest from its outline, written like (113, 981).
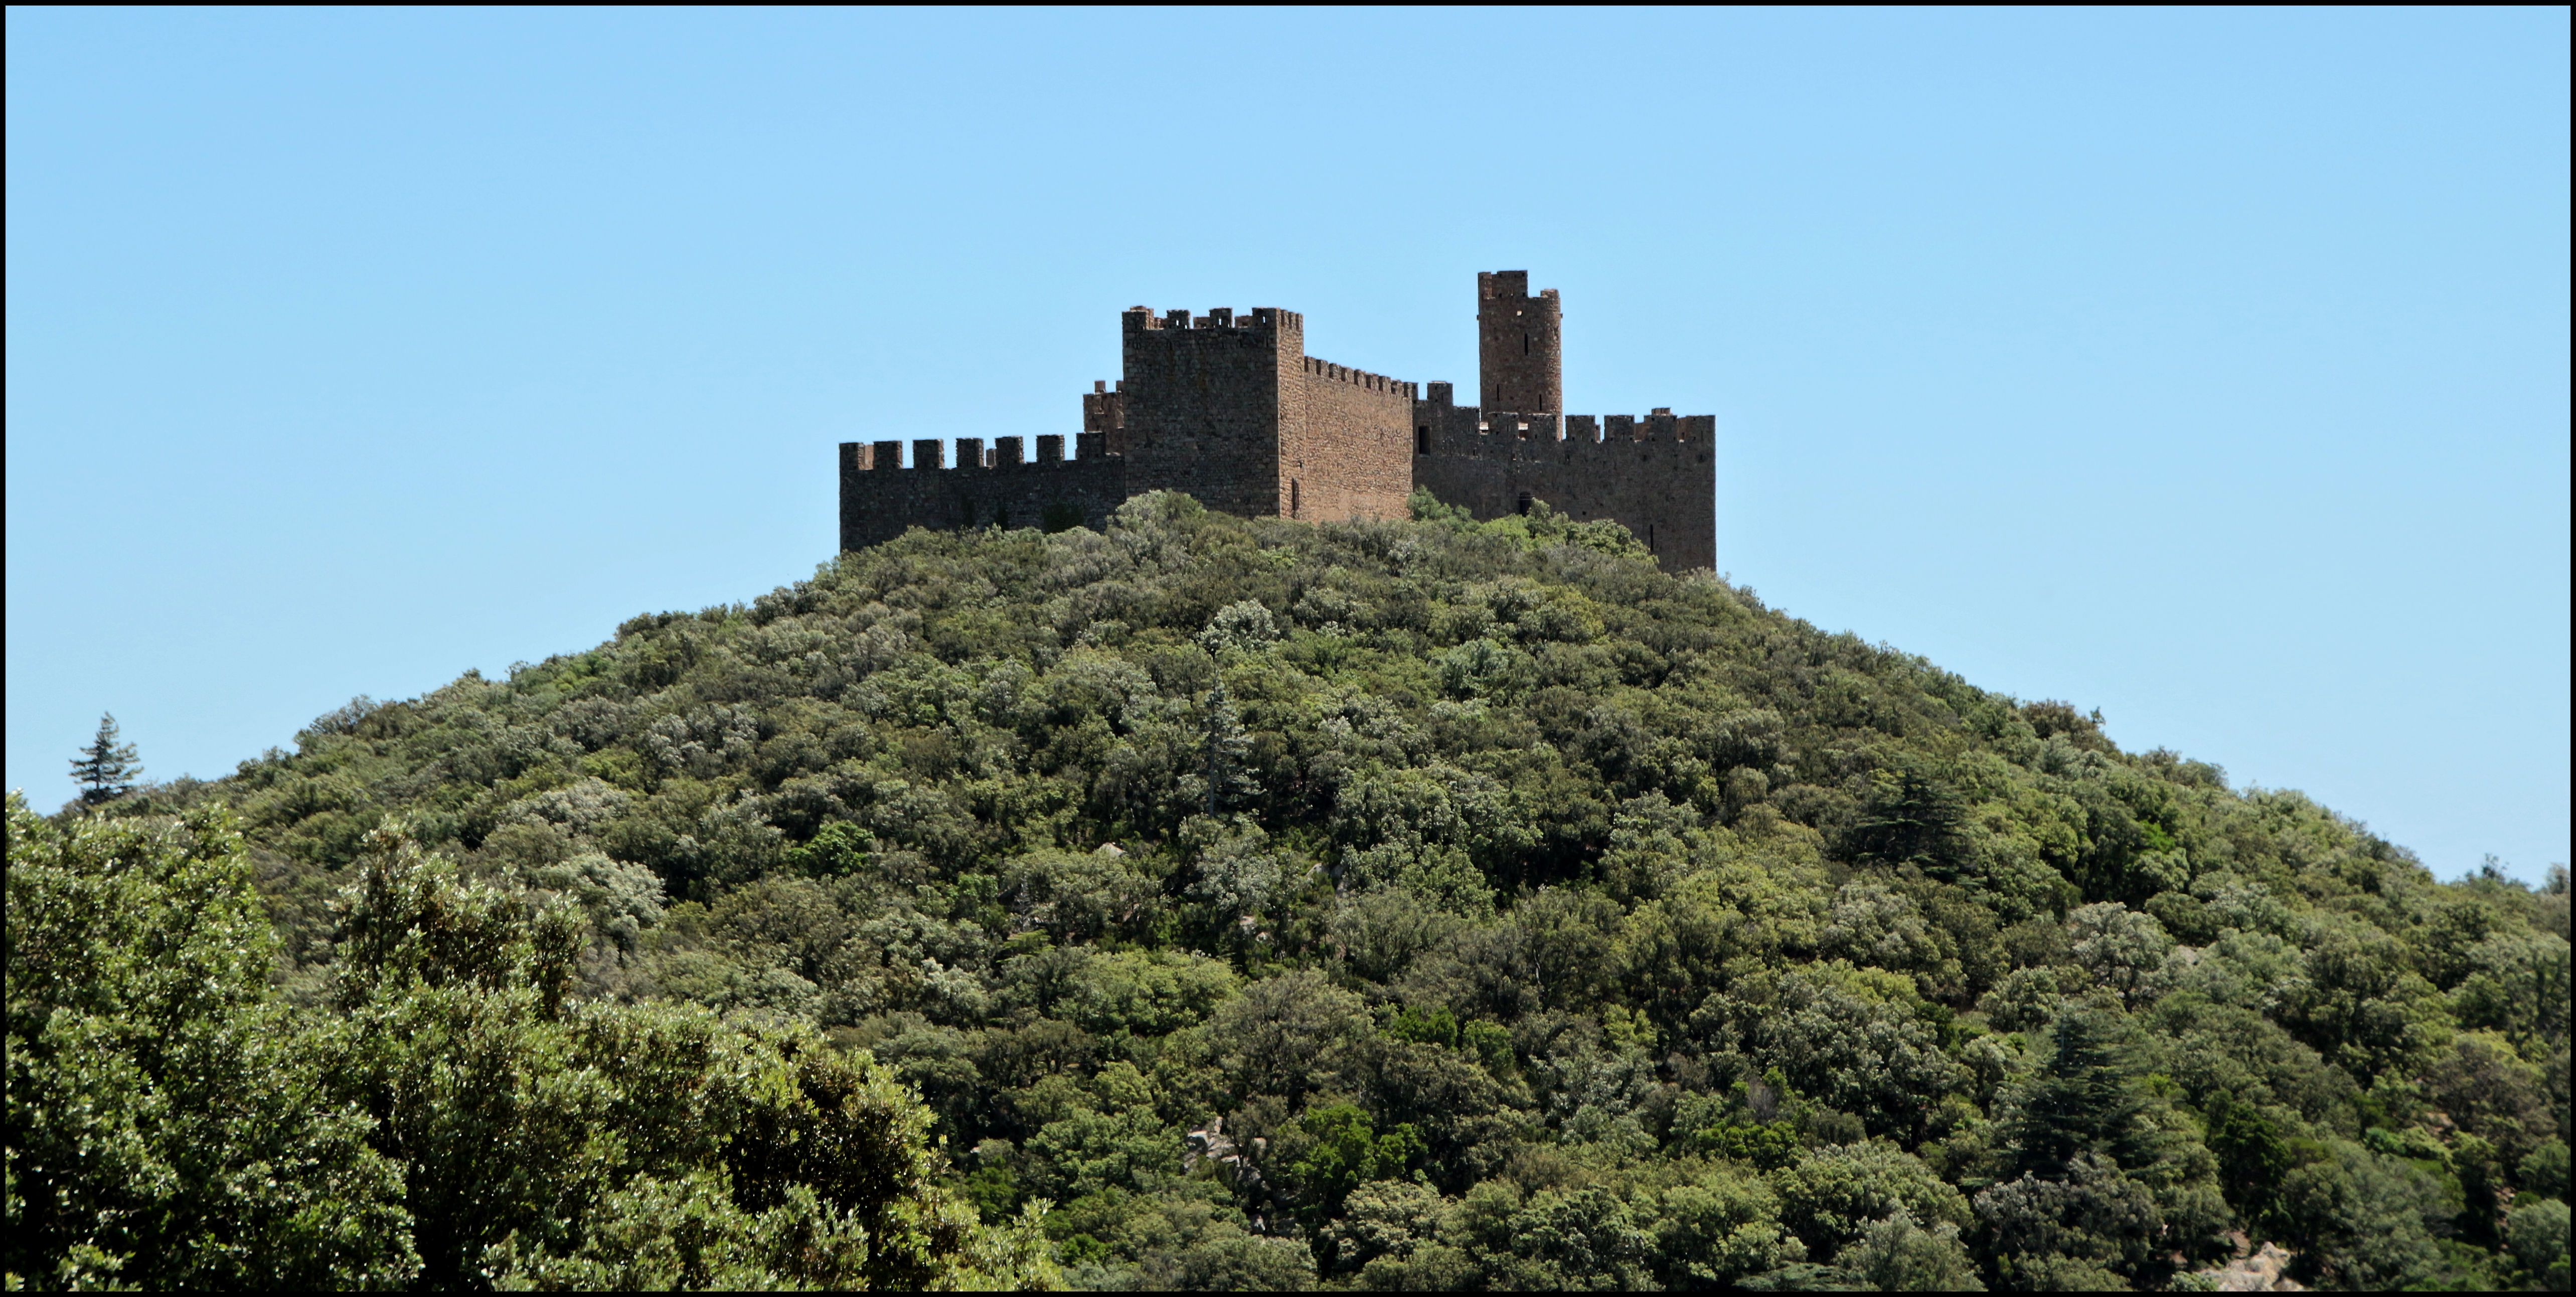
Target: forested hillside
(1434, 904)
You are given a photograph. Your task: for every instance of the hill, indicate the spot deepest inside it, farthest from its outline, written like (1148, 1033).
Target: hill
(1439, 904)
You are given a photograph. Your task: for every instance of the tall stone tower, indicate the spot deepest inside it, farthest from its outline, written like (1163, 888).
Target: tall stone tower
(1519, 361)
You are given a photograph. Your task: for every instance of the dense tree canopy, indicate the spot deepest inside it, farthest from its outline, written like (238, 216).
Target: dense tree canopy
(448, 1117)
(1254, 904)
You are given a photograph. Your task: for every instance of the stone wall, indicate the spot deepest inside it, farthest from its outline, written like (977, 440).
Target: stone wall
(1351, 456)
(881, 498)
(1198, 410)
(1656, 475)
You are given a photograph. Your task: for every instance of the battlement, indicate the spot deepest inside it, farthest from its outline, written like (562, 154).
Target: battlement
(1143, 319)
(1506, 286)
(1653, 473)
(1326, 369)
(1582, 429)
(1444, 427)
(1483, 433)
(972, 454)
(993, 485)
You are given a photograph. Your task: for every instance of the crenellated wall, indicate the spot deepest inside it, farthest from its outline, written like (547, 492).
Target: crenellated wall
(1656, 475)
(881, 497)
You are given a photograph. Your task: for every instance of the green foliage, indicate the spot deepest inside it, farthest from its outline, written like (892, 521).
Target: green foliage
(1718, 1229)
(1341, 1149)
(1898, 1255)
(168, 1126)
(450, 1120)
(1832, 1195)
(2363, 1219)
(1250, 904)
(2086, 1097)
(1489, 1043)
(2536, 1236)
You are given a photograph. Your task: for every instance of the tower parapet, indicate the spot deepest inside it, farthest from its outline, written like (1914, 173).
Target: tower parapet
(1104, 414)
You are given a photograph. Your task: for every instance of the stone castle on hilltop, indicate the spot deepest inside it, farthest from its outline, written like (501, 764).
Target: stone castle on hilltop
(1231, 409)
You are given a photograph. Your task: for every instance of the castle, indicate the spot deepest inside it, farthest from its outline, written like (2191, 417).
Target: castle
(1231, 409)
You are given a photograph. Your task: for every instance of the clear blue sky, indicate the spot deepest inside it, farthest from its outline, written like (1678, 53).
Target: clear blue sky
(2210, 368)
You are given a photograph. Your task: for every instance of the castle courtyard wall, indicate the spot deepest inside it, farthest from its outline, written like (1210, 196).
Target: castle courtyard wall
(1351, 456)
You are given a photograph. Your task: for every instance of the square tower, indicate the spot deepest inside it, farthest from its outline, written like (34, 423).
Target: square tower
(1520, 364)
(1210, 403)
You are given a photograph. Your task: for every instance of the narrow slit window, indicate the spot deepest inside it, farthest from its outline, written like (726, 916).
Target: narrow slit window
(1294, 501)
(1422, 439)
(1525, 503)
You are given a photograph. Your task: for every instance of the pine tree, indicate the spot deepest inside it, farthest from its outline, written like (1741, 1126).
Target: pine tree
(106, 769)
(2086, 1096)
(1227, 742)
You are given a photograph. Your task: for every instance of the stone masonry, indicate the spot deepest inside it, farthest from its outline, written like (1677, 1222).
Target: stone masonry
(1519, 355)
(1231, 409)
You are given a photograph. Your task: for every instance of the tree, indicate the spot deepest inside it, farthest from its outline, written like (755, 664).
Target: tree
(453, 1119)
(1832, 1196)
(1897, 1255)
(2363, 1219)
(1342, 1150)
(106, 769)
(2085, 1097)
(167, 1126)
(2536, 1234)
(1721, 1228)
(552, 1142)
(1912, 817)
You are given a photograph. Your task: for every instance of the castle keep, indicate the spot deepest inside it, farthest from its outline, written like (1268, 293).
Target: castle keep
(1231, 409)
